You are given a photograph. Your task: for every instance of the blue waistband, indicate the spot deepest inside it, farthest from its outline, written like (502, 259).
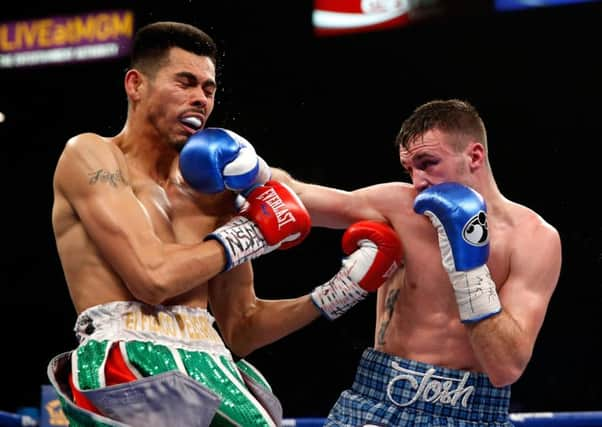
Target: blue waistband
(430, 388)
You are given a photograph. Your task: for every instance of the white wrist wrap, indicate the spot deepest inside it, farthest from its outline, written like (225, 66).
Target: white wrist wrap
(337, 295)
(476, 295)
(242, 241)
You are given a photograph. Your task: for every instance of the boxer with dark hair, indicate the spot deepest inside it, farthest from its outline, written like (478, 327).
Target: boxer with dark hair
(155, 249)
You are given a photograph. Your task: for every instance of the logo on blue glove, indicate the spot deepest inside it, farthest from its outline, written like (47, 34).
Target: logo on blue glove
(475, 230)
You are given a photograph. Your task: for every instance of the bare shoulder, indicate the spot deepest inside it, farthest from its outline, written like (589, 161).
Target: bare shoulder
(533, 228)
(535, 251)
(535, 219)
(84, 157)
(85, 152)
(88, 143)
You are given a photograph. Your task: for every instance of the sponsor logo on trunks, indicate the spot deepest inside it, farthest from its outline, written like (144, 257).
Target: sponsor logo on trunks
(431, 388)
(175, 325)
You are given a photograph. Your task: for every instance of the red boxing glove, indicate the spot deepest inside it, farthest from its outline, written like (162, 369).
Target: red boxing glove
(375, 253)
(273, 217)
(279, 214)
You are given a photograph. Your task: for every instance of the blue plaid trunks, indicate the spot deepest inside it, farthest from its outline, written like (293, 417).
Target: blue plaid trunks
(392, 391)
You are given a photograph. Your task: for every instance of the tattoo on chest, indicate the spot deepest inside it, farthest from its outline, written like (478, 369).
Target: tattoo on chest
(389, 307)
(105, 176)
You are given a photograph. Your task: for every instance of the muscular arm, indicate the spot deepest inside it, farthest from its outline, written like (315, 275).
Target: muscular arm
(504, 343)
(247, 322)
(90, 177)
(373, 251)
(334, 208)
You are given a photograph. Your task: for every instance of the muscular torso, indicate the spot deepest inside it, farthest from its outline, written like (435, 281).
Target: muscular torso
(177, 215)
(417, 315)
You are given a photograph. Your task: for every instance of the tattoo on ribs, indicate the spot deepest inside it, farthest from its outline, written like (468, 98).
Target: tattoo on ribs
(112, 178)
(389, 306)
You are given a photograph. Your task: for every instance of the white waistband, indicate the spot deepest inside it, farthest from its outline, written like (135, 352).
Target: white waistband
(175, 326)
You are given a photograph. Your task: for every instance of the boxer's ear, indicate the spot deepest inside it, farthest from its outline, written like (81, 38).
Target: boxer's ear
(476, 154)
(133, 83)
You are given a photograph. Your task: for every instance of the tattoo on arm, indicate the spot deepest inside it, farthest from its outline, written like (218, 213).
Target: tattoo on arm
(112, 178)
(389, 306)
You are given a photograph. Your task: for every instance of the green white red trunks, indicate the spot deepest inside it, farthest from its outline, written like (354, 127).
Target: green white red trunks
(178, 372)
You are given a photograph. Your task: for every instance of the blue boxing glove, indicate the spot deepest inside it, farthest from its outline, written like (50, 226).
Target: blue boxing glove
(459, 215)
(216, 159)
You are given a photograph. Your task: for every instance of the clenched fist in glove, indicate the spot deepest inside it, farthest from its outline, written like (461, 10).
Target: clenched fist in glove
(216, 159)
(374, 254)
(459, 215)
(273, 217)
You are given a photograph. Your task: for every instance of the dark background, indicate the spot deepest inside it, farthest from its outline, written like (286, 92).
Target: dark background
(327, 110)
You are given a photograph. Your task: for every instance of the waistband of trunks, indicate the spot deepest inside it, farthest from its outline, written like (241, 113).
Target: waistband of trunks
(430, 388)
(176, 326)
